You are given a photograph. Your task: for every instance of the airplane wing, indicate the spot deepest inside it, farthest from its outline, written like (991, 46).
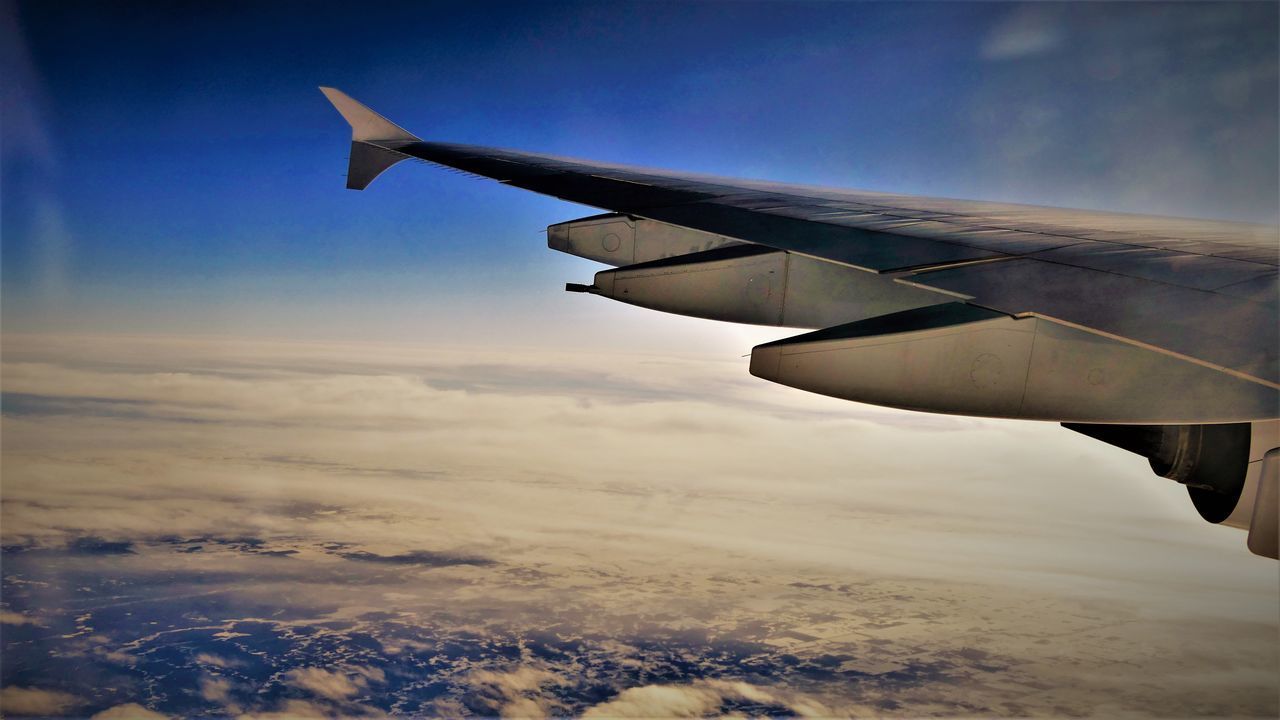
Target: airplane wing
(956, 306)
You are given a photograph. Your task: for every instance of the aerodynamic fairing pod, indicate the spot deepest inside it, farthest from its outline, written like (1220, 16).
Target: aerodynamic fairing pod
(701, 275)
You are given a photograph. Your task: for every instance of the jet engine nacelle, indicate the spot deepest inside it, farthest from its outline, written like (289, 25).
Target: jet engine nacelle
(1231, 470)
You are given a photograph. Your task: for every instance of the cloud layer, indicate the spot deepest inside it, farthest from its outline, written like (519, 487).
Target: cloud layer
(315, 529)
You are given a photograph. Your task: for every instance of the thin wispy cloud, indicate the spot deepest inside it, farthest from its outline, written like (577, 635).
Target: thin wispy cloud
(1026, 30)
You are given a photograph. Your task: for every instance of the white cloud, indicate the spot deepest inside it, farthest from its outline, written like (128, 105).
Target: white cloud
(523, 679)
(16, 700)
(653, 701)
(128, 711)
(699, 699)
(216, 690)
(334, 684)
(215, 660)
(523, 707)
(13, 618)
(518, 693)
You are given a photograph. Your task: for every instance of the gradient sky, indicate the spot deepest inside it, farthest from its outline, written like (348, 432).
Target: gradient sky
(172, 167)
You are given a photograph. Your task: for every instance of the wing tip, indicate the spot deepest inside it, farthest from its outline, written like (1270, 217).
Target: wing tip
(366, 125)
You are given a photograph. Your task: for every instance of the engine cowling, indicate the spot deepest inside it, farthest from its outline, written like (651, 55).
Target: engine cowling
(1211, 460)
(1231, 470)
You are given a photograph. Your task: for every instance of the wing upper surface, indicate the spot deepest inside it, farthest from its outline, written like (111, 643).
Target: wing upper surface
(1206, 290)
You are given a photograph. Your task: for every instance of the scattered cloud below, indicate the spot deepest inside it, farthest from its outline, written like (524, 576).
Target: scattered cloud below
(215, 661)
(13, 618)
(36, 701)
(516, 694)
(128, 711)
(216, 690)
(702, 699)
(339, 684)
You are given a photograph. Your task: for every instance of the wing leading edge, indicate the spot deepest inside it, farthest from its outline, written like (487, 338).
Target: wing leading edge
(1203, 291)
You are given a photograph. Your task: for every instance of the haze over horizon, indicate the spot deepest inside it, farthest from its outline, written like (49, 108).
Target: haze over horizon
(273, 448)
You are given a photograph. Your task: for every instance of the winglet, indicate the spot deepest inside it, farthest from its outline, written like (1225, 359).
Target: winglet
(366, 125)
(374, 139)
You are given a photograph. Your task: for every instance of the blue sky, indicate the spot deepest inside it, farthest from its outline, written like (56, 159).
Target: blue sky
(172, 168)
